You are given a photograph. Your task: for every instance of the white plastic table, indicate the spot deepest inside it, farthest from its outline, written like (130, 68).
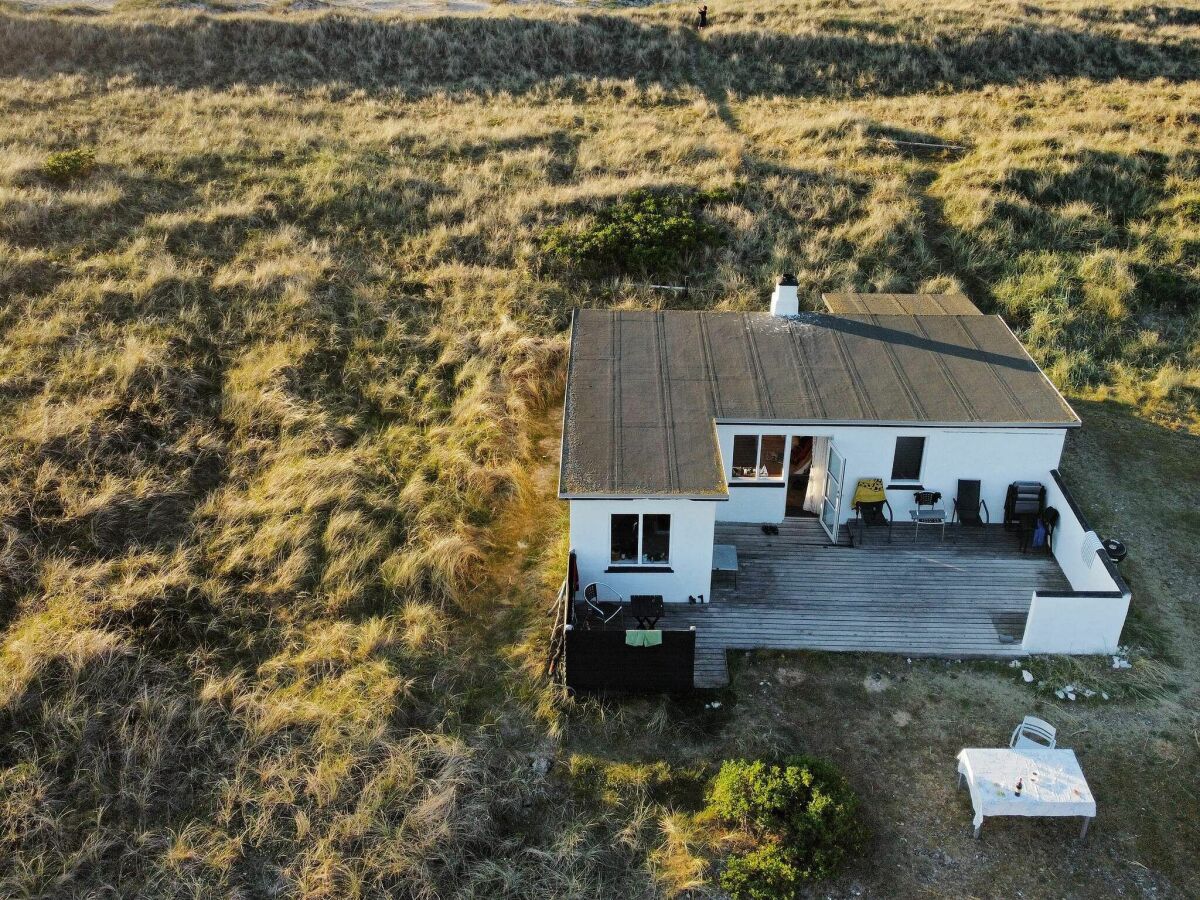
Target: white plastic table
(1052, 784)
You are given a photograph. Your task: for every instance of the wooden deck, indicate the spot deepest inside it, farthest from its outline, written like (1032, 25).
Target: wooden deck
(965, 596)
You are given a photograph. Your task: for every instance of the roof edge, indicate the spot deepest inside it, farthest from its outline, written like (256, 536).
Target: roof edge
(1042, 372)
(562, 433)
(662, 495)
(898, 423)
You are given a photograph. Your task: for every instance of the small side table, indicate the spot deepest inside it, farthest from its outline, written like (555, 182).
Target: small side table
(927, 517)
(646, 608)
(725, 559)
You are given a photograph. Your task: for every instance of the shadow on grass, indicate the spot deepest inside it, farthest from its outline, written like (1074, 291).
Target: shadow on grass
(487, 55)
(1138, 481)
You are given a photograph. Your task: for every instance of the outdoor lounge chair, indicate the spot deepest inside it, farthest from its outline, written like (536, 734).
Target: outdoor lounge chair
(1023, 503)
(871, 514)
(1033, 734)
(599, 611)
(968, 503)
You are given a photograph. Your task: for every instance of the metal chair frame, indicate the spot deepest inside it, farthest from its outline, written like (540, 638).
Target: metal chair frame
(963, 514)
(591, 599)
(863, 524)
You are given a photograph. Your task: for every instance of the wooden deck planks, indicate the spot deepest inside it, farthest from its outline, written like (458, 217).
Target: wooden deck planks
(796, 591)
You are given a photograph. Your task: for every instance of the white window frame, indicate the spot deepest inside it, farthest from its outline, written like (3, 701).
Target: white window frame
(780, 478)
(637, 560)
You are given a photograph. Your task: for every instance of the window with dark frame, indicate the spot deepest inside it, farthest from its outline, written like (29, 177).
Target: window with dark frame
(624, 543)
(656, 539)
(770, 456)
(745, 455)
(758, 456)
(637, 539)
(906, 465)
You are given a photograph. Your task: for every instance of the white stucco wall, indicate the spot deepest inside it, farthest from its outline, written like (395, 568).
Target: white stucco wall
(1090, 619)
(753, 504)
(690, 555)
(1075, 546)
(995, 456)
(1082, 623)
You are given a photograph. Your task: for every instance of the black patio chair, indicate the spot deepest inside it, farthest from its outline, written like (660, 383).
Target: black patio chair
(600, 612)
(870, 514)
(1023, 503)
(968, 504)
(927, 501)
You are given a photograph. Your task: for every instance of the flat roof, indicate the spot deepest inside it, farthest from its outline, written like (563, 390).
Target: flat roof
(901, 304)
(645, 388)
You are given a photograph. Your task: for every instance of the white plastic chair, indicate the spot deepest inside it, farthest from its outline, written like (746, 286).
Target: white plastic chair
(1033, 734)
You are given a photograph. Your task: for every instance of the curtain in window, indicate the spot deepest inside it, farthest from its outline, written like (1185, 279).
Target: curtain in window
(816, 475)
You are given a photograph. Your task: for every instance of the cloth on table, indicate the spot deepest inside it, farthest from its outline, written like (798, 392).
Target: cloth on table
(643, 637)
(1052, 783)
(868, 490)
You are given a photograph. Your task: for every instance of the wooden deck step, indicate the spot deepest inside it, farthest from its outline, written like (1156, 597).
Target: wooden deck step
(712, 668)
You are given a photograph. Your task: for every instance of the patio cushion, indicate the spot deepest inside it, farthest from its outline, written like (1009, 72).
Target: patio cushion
(868, 490)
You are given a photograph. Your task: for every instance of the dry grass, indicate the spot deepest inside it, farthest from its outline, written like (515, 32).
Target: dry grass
(278, 374)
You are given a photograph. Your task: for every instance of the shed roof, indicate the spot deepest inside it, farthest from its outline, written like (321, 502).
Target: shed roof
(901, 304)
(645, 389)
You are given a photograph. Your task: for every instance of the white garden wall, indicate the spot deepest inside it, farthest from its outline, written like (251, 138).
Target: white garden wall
(1090, 617)
(690, 561)
(1075, 623)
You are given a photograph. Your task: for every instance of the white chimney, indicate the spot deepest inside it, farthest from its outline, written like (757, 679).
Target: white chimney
(786, 301)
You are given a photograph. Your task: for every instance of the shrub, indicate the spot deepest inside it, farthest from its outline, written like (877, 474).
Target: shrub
(804, 808)
(644, 232)
(67, 165)
(762, 874)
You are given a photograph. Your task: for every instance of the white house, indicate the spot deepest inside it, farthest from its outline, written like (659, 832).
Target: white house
(678, 421)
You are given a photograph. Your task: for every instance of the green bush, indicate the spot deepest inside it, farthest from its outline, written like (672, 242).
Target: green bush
(804, 809)
(67, 165)
(765, 873)
(644, 232)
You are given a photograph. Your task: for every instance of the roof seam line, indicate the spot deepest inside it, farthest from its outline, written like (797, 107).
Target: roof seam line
(805, 375)
(1004, 385)
(664, 390)
(714, 389)
(615, 450)
(760, 378)
(901, 378)
(860, 392)
(950, 380)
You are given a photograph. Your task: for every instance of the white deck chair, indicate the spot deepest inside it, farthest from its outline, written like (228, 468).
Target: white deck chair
(1033, 734)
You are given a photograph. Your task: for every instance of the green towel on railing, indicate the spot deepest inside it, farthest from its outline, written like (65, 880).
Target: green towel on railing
(643, 637)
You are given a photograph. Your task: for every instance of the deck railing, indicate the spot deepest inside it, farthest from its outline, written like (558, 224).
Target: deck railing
(1089, 617)
(561, 611)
